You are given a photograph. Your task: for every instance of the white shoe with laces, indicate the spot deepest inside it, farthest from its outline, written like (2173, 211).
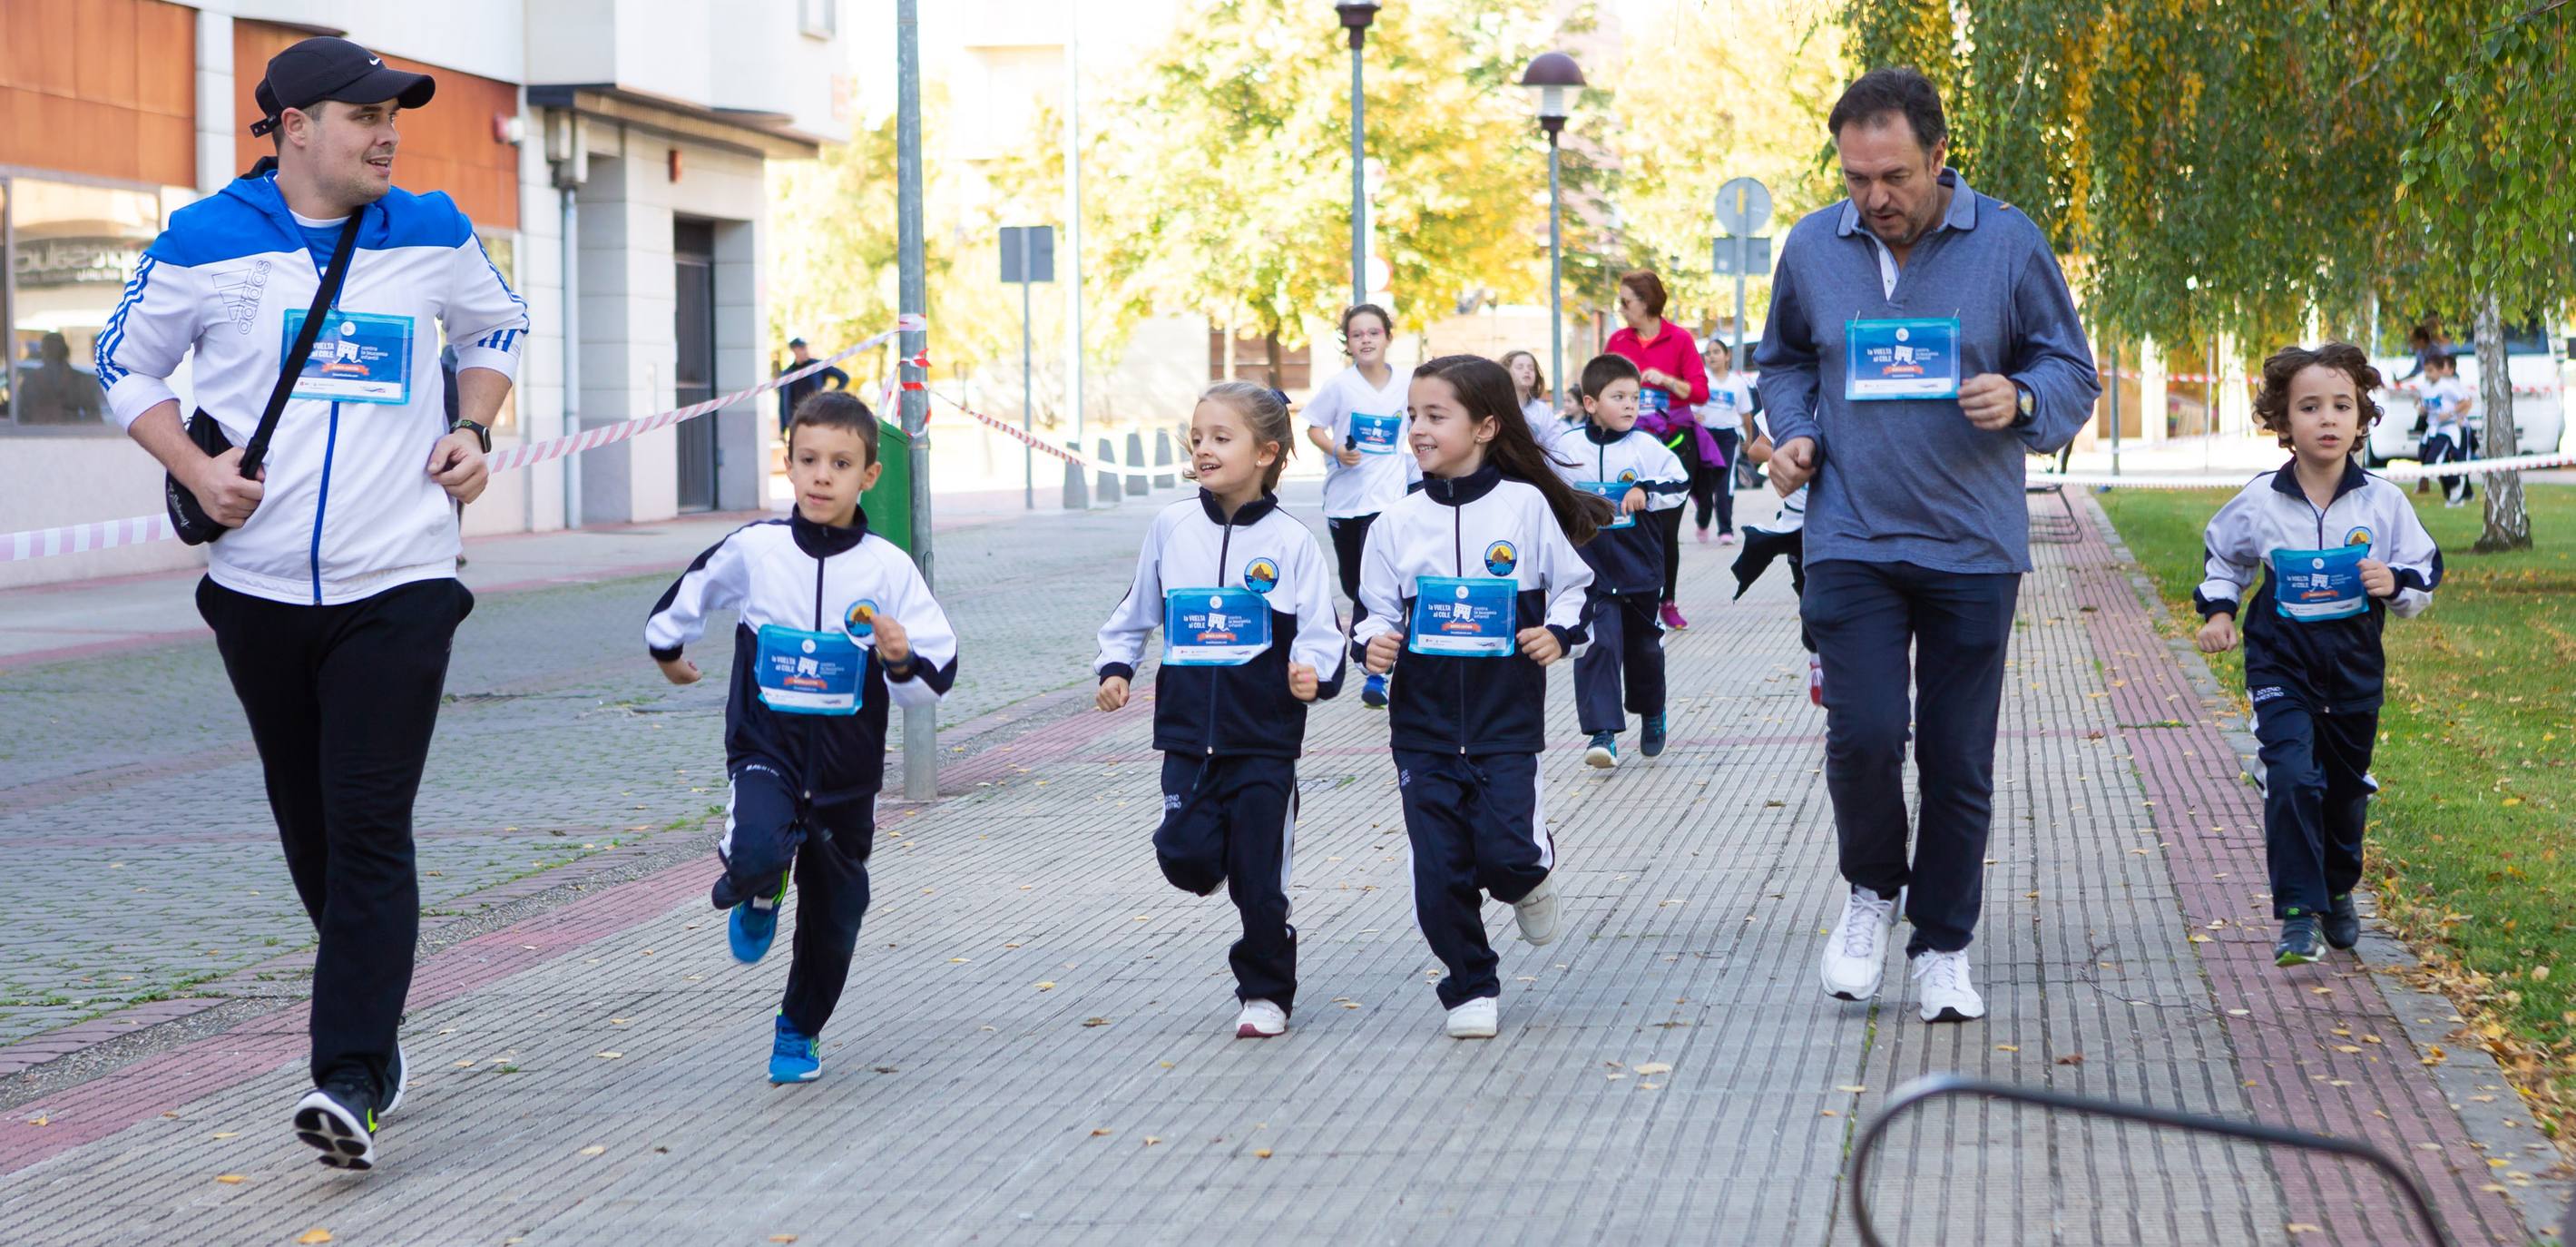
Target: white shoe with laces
(1942, 988)
(1260, 1019)
(1856, 953)
(1480, 1018)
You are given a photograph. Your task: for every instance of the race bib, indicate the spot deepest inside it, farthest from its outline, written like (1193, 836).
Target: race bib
(1464, 617)
(1214, 627)
(1617, 493)
(1375, 435)
(359, 357)
(2312, 585)
(1652, 400)
(1895, 359)
(808, 672)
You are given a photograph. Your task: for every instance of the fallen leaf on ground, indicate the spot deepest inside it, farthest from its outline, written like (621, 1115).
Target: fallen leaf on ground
(1851, 1088)
(594, 1150)
(782, 1238)
(1655, 1067)
(1262, 1152)
(1152, 1139)
(229, 1179)
(2071, 1058)
(2302, 1227)
(1097, 1133)
(1045, 985)
(315, 1235)
(229, 1134)
(608, 1056)
(1095, 1021)
(2005, 1047)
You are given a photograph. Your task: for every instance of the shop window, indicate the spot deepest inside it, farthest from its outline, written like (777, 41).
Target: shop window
(71, 250)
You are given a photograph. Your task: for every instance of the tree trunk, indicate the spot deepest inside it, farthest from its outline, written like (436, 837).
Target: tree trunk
(1279, 368)
(2508, 523)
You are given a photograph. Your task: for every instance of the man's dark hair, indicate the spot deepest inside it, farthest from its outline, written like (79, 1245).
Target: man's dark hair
(1605, 369)
(1898, 89)
(836, 409)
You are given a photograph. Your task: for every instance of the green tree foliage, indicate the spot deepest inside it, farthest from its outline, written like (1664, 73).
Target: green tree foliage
(1730, 88)
(1218, 169)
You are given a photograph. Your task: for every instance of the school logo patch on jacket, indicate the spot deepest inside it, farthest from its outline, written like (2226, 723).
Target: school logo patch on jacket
(2357, 537)
(1261, 575)
(860, 619)
(1501, 558)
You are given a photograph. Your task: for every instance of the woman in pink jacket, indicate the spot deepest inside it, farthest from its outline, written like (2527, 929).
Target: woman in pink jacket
(1676, 382)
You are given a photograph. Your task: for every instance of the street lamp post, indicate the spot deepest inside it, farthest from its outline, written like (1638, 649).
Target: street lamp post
(1551, 74)
(1356, 16)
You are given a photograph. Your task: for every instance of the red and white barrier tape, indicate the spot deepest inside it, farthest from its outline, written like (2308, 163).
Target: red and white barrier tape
(141, 529)
(2202, 378)
(2149, 480)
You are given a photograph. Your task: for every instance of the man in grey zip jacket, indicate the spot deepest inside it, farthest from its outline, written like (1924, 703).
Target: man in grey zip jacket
(1921, 342)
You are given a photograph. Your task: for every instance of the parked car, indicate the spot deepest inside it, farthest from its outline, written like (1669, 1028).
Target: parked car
(2539, 401)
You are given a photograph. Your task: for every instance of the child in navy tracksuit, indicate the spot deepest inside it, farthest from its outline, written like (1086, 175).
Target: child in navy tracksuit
(1608, 455)
(2342, 549)
(1473, 586)
(834, 622)
(1249, 637)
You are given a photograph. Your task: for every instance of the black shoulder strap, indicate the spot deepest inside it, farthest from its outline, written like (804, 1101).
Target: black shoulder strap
(293, 367)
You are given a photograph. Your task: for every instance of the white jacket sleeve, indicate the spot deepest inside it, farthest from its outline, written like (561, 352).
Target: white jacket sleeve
(1381, 591)
(1319, 625)
(152, 328)
(1667, 482)
(2415, 560)
(487, 322)
(1566, 578)
(717, 580)
(934, 642)
(1122, 639)
(2232, 553)
(1326, 409)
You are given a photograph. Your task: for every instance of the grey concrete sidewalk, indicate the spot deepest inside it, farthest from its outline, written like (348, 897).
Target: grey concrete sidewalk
(1036, 1044)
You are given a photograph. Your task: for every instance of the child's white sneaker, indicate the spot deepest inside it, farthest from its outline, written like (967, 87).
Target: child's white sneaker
(1943, 991)
(1260, 1019)
(1537, 913)
(1479, 1018)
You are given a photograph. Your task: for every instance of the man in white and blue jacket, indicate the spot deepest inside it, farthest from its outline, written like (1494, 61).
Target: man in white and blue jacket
(1921, 342)
(333, 594)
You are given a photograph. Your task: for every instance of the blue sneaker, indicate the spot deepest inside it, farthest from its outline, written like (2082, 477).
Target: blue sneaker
(1603, 752)
(754, 925)
(1651, 741)
(1373, 692)
(794, 1056)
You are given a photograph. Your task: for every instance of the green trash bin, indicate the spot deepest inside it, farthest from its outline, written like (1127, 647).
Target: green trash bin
(889, 504)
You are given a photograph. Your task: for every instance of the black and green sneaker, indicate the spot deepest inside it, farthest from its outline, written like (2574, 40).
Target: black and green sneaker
(338, 1119)
(2343, 922)
(2299, 944)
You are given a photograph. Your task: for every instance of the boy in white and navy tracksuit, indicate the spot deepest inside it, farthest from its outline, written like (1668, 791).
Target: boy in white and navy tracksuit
(1231, 734)
(1467, 731)
(2315, 677)
(1627, 561)
(804, 785)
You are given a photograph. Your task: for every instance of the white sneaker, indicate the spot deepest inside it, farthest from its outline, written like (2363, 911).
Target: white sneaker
(1537, 913)
(1941, 985)
(1476, 1019)
(1260, 1019)
(1856, 953)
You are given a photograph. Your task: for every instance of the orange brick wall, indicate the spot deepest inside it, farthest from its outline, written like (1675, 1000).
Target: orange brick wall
(105, 88)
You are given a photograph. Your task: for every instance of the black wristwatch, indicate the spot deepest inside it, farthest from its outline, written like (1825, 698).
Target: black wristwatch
(2026, 406)
(482, 435)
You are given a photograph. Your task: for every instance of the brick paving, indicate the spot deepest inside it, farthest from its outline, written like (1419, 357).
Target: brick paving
(1035, 1046)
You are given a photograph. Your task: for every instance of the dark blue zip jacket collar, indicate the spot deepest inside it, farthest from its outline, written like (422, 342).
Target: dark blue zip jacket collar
(1250, 514)
(2287, 479)
(823, 540)
(1458, 491)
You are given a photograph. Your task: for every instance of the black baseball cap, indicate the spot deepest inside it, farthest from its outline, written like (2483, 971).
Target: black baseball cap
(324, 68)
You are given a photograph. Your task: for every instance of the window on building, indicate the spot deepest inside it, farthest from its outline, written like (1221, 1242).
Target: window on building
(71, 248)
(820, 19)
(1246, 357)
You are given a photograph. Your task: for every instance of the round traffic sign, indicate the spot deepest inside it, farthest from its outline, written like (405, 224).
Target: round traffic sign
(1743, 206)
